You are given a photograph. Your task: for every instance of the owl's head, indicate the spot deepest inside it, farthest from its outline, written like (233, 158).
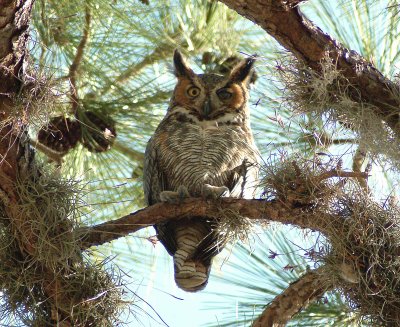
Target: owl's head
(211, 96)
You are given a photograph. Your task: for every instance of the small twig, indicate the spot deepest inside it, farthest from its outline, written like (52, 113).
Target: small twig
(73, 69)
(297, 296)
(127, 150)
(338, 173)
(358, 160)
(50, 153)
(152, 308)
(304, 140)
(158, 53)
(296, 168)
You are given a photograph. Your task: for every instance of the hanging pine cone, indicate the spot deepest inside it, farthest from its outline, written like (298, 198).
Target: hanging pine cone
(61, 134)
(98, 134)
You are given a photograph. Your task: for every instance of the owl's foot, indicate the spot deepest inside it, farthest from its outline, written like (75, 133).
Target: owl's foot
(214, 192)
(175, 196)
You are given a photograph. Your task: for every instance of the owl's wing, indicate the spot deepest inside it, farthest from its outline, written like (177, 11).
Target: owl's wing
(153, 179)
(154, 182)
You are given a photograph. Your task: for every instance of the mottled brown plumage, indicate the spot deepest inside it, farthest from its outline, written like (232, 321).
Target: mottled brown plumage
(200, 149)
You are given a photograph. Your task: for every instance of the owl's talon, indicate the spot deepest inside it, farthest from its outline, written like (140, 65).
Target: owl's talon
(169, 197)
(183, 192)
(174, 197)
(214, 192)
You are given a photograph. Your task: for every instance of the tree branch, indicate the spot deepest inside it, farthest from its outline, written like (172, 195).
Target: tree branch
(159, 53)
(73, 69)
(311, 45)
(309, 287)
(272, 210)
(50, 153)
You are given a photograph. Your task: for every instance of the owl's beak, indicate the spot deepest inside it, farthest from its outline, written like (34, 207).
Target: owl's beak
(206, 108)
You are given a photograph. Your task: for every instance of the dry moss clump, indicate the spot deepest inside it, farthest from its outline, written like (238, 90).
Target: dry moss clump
(329, 94)
(300, 182)
(36, 100)
(49, 213)
(365, 255)
(231, 227)
(362, 257)
(44, 277)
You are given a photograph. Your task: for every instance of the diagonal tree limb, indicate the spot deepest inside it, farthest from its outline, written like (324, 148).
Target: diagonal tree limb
(73, 69)
(297, 296)
(253, 209)
(311, 45)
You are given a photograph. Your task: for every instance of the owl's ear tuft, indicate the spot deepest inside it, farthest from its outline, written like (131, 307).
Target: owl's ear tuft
(243, 72)
(182, 69)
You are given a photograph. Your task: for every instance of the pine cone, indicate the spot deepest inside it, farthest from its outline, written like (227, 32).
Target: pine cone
(99, 134)
(61, 134)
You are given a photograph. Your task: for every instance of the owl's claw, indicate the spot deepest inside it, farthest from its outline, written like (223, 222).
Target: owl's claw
(175, 197)
(214, 192)
(183, 192)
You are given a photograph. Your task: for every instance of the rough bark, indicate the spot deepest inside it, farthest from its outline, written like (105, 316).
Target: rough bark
(308, 288)
(14, 22)
(310, 45)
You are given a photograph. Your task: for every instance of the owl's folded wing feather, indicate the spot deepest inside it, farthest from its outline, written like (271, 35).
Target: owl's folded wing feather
(154, 182)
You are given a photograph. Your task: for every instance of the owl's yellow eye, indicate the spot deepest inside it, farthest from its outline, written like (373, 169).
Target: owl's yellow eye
(224, 94)
(193, 91)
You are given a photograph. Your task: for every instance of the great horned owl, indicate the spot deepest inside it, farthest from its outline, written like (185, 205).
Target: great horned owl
(203, 147)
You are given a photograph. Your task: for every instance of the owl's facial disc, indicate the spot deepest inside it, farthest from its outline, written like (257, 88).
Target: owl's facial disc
(211, 96)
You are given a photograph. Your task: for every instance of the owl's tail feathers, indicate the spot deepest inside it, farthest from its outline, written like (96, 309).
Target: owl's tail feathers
(190, 275)
(192, 258)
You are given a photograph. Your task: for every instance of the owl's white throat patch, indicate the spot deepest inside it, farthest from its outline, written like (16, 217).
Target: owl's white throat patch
(208, 124)
(227, 118)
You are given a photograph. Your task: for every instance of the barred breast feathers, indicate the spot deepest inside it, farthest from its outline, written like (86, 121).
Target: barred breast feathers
(193, 155)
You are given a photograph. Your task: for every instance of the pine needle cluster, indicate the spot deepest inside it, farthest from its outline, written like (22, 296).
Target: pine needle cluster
(364, 253)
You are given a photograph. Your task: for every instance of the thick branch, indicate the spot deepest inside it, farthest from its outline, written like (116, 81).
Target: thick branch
(253, 209)
(311, 286)
(310, 45)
